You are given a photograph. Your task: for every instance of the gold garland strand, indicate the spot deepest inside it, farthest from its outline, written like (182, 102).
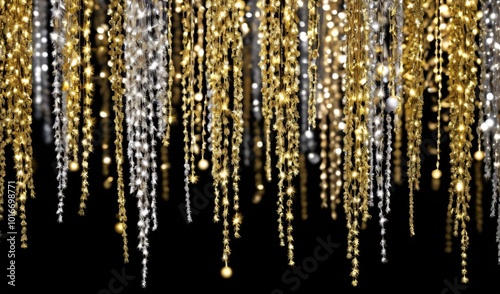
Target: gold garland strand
(3, 111)
(116, 39)
(87, 103)
(462, 83)
(215, 134)
(71, 75)
(313, 45)
(281, 164)
(201, 108)
(225, 128)
(414, 80)
(438, 70)
(268, 62)
(215, 62)
(356, 141)
(16, 98)
(237, 113)
(279, 69)
(225, 44)
(291, 89)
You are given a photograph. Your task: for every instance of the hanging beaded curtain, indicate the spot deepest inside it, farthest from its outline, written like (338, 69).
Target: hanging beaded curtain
(275, 86)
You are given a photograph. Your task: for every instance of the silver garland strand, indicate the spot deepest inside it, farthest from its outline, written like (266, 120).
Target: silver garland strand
(372, 68)
(142, 64)
(489, 50)
(60, 122)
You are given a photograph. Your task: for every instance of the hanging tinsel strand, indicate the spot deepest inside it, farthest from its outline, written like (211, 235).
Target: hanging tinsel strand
(414, 102)
(60, 122)
(462, 83)
(87, 103)
(139, 115)
(116, 39)
(16, 91)
(356, 140)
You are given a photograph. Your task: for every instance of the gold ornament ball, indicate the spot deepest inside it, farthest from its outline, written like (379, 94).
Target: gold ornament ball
(226, 272)
(436, 174)
(74, 166)
(119, 227)
(203, 164)
(479, 155)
